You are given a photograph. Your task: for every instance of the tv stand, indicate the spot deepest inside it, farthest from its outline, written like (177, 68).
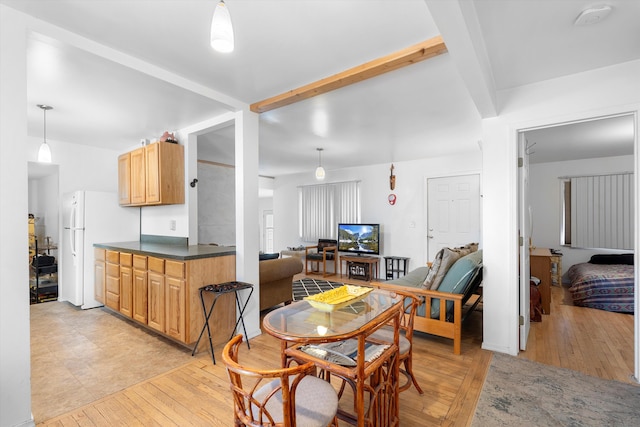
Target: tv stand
(360, 267)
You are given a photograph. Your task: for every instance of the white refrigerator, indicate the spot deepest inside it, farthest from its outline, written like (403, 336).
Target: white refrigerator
(90, 217)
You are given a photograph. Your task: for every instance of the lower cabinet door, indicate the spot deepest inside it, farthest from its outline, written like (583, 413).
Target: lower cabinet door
(175, 302)
(156, 303)
(126, 291)
(140, 296)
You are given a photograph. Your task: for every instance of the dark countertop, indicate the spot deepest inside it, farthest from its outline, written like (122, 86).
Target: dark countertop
(161, 250)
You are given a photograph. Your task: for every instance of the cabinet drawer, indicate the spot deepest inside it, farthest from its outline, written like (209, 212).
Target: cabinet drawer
(113, 257)
(140, 262)
(99, 254)
(174, 269)
(113, 270)
(156, 265)
(126, 259)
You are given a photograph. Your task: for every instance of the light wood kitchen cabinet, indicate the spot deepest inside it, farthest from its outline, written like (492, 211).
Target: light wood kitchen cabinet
(138, 177)
(126, 284)
(175, 316)
(99, 274)
(156, 303)
(124, 179)
(156, 175)
(140, 289)
(163, 293)
(112, 286)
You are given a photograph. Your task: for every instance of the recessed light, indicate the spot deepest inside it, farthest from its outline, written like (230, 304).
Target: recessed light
(593, 15)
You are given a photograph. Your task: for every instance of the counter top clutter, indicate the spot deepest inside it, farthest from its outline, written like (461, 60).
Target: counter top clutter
(454, 276)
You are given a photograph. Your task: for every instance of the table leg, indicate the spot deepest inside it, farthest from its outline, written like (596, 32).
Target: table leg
(241, 317)
(206, 325)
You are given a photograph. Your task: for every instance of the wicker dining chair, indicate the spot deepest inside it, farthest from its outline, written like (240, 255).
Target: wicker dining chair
(405, 340)
(287, 397)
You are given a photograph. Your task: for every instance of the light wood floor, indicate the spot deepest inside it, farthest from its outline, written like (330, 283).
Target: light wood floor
(134, 387)
(595, 342)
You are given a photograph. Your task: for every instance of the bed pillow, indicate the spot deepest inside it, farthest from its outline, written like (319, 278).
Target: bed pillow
(612, 259)
(445, 258)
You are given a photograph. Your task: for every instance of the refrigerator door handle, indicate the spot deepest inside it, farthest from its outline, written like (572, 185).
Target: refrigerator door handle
(72, 231)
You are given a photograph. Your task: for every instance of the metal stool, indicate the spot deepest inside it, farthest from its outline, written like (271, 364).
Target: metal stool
(217, 290)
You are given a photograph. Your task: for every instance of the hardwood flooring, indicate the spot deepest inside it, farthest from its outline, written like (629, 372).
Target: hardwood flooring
(595, 342)
(92, 368)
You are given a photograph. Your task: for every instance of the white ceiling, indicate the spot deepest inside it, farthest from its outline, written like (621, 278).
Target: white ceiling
(128, 70)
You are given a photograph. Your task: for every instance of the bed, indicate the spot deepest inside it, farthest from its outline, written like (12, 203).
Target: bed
(605, 282)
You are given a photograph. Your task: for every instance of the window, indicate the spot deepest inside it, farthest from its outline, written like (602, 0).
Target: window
(322, 207)
(597, 211)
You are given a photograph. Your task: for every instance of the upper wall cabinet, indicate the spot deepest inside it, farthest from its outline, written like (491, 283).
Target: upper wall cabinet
(152, 175)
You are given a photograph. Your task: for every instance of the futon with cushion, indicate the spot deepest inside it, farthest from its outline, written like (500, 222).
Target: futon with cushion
(454, 276)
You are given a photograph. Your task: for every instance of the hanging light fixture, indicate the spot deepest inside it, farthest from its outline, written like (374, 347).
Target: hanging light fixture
(221, 29)
(319, 170)
(44, 153)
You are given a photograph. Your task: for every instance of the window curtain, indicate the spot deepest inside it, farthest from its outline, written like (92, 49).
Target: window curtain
(602, 211)
(322, 207)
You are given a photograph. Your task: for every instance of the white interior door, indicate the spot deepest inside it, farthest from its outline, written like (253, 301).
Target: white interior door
(524, 227)
(453, 212)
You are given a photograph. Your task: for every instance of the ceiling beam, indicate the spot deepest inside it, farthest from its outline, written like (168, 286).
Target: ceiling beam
(411, 55)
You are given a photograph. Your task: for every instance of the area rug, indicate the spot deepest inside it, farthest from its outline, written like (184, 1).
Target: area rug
(519, 392)
(305, 287)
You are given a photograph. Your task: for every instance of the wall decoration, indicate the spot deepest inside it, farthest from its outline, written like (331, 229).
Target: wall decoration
(392, 199)
(392, 179)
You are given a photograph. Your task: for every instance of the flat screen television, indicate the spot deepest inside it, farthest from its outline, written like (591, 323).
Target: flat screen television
(360, 239)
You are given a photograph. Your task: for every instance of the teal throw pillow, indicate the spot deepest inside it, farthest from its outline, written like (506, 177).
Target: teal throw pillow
(457, 280)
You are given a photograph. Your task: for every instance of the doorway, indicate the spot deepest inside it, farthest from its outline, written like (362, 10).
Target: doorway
(44, 230)
(589, 146)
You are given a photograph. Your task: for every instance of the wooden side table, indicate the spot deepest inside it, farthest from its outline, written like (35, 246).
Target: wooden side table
(367, 264)
(395, 264)
(540, 260)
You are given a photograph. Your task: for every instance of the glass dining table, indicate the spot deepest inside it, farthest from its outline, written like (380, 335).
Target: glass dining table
(303, 329)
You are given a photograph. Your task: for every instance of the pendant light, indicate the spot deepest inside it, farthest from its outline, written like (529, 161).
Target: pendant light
(44, 153)
(221, 29)
(319, 170)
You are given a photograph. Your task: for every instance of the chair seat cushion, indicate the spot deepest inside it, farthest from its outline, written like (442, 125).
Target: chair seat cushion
(318, 256)
(386, 334)
(316, 402)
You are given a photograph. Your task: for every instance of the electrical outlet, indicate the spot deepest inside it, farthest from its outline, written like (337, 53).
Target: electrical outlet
(172, 225)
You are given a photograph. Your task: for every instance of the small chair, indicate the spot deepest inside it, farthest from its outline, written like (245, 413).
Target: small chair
(325, 250)
(406, 340)
(278, 397)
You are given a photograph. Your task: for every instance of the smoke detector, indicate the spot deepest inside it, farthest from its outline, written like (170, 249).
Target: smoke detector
(593, 15)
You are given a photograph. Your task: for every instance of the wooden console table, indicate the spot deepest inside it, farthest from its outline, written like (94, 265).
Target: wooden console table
(369, 265)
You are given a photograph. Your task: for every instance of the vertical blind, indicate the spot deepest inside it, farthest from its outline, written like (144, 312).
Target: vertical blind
(322, 207)
(602, 211)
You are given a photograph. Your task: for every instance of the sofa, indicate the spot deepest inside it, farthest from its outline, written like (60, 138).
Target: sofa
(276, 280)
(450, 281)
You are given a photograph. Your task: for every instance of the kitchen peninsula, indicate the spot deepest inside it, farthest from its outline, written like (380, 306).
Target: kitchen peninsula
(156, 284)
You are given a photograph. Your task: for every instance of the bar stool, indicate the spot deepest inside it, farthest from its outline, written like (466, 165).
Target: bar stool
(217, 290)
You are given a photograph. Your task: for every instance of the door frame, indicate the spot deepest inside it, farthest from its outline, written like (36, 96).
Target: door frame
(634, 110)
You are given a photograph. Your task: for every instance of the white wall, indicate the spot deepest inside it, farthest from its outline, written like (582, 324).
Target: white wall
(596, 93)
(546, 201)
(399, 238)
(216, 204)
(15, 380)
